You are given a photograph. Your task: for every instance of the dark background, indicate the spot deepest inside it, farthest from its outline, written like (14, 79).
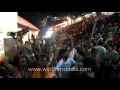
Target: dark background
(36, 18)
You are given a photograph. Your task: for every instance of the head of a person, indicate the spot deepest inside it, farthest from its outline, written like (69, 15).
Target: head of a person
(94, 42)
(101, 43)
(90, 64)
(22, 62)
(64, 45)
(65, 54)
(110, 46)
(51, 49)
(94, 52)
(43, 60)
(26, 42)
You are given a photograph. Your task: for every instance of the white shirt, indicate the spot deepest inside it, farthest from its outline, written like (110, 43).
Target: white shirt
(63, 67)
(73, 53)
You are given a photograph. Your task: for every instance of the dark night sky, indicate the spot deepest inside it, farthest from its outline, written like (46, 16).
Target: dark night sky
(36, 17)
(33, 17)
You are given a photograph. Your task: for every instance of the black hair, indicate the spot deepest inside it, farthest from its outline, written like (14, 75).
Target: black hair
(94, 43)
(111, 45)
(44, 56)
(100, 43)
(109, 42)
(119, 34)
(69, 45)
(94, 50)
(26, 42)
(62, 51)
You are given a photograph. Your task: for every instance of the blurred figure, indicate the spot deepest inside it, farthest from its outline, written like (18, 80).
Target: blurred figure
(64, 64)
(42, 71)
(111, 58)
(23, 68)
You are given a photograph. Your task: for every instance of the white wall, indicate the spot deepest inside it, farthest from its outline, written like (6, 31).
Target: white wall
(25, 38)
(35, 33)
(1, 48)
(8, 22)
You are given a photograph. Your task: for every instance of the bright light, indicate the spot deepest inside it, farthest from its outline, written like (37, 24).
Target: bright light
(69, 20)
(65, 22)
(107, 13)
(51, 28)
(79, 18)
(49, 33)
(104, 13)
(47, 16)
(110, 13)
(87, 16)
(94, 12)
(73, 16)
(61, 24)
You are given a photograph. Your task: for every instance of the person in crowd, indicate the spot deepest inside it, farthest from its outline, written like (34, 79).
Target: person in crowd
(51, 54)
(76, 71)
(116, 72)
(42, 71)
(73, 51)
(96, 57)
(23, 68)
(101, 51)
(2, 70)
(108, 39)
(64, 64)
(79, 57)
(90, 68)
(36, 48)
(28, 54)
(111, 58)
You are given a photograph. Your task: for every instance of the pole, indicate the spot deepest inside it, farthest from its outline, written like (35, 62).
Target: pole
(94, 26)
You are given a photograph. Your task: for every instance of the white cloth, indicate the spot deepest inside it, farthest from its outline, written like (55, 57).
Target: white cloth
(73, 53)
(63, 67)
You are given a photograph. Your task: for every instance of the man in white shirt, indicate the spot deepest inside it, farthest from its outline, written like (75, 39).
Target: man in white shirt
(71, 48)
(64, 65)
(101, 49)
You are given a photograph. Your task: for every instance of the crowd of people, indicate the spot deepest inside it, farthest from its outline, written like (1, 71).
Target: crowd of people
(99, 53)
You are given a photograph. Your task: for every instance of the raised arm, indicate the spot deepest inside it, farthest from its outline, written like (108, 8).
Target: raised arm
(71, 41)
(57, 49)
